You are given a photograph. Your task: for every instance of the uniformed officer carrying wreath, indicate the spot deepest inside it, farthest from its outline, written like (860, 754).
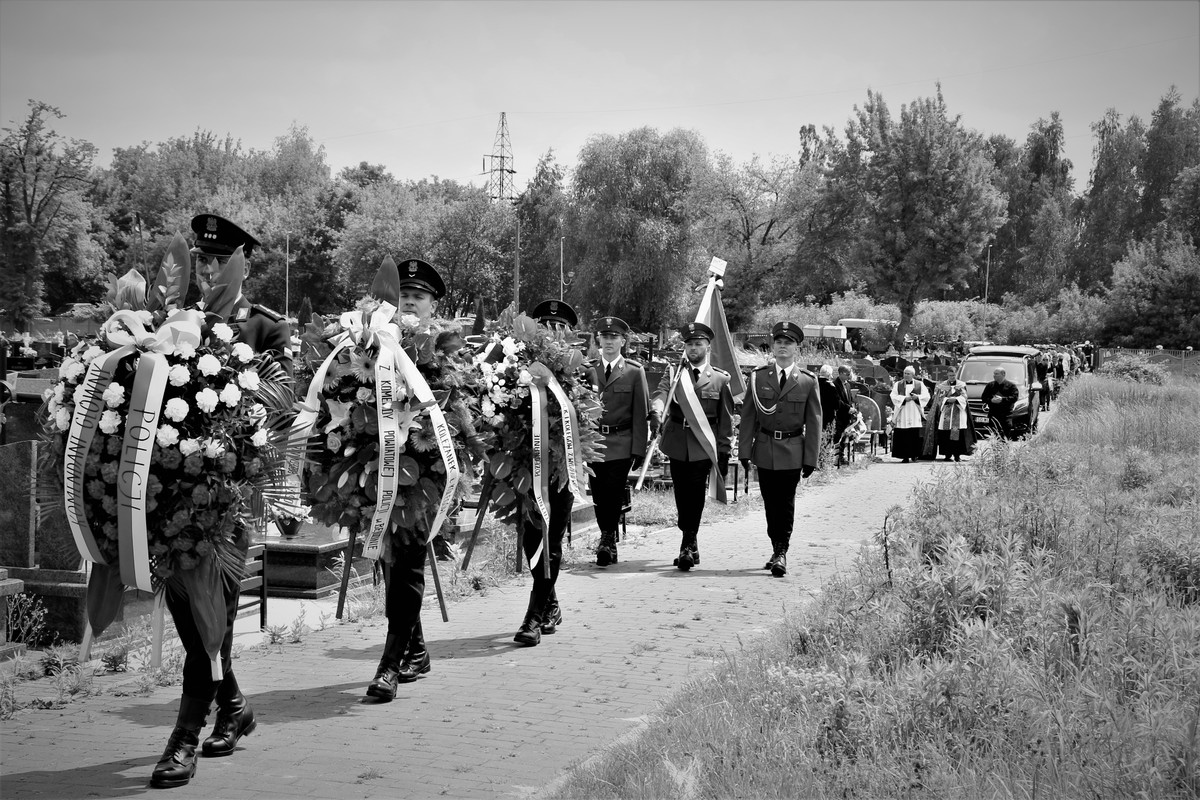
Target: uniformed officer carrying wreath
(265, 331)
(621, 383)
(697, 428)
(780, 433)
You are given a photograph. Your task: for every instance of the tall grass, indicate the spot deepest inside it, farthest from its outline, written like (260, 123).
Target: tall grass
(1033, 632)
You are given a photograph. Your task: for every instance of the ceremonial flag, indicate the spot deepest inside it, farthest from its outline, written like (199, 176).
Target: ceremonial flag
(712, 314)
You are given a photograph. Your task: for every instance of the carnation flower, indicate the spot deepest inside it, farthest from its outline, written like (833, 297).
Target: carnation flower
(109, 422)
(248, 380)
(92, 353)
(176, 409)
(213, 448)
(231, 395)
(185, 350)
(206, 400)
(487, 408)
(62, 419)
(222, 332)
(179, 375)
(114, 395)
(189, 446)
(71, 370)
(167, 435)
(243, 352)
(260, 437)
(208, 365)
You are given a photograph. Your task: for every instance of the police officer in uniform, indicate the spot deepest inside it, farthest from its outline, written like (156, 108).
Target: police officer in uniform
(266, 332)
(621, 383)
(680, 442)
(405, 657)
(544, 614)
(780, 433)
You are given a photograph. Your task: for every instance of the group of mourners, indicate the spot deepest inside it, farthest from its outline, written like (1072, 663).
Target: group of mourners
(689, 416)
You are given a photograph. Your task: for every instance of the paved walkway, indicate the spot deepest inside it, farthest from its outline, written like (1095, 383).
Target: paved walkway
(492, 719)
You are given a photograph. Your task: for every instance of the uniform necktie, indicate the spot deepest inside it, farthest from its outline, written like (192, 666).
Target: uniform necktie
(607, 371)
(695, 375)
(782, 376)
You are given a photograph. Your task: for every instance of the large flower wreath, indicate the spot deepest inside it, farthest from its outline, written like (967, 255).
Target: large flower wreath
(539, 414)
(166, 443)
(389, 421)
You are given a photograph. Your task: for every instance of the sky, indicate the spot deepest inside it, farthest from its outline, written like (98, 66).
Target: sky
(420, 86)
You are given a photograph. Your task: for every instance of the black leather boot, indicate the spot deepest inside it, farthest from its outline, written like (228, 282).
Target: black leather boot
(774, 554)
(235, 719)
(387, 676)
(779, 561)
(606, 552)
(551, 614)
(530, 632)
(687, 553)
(178, 762)
(416, 657)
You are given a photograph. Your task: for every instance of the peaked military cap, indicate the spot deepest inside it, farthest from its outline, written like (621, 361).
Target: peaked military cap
(419, 274)
(217, 236)
(789, 329)
(555, 311)
(696, 330)
(612, 325)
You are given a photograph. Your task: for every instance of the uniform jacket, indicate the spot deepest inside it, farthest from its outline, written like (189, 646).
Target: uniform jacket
(264, 330)
(682, 443)
(1006, 390)
(625, 396)
(797, 408)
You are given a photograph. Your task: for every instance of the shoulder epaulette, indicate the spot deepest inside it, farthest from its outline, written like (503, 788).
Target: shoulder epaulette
(267, 312)
(760, 369)
(634, 362)
(808, 373)
(719, 370)
(592, 362)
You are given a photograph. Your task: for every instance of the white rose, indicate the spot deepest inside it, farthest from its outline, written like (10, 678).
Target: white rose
(248, 380)
(206, 400)
(410, 320)
(176, 409)
(167, 435)
(511, 346)
(364, 395)
(62, 419)
(231, 395)
(114, 395)
(243, 352)
(213, 448)
(179, 375)
(185, 350)
(110, 421)
(189, 446)
(259, 439)
(222, 332)
(208, 364)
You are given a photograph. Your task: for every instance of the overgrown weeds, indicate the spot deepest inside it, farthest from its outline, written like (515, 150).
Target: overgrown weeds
(1034, 632)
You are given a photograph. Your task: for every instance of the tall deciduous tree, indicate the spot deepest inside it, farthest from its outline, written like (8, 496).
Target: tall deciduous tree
(544, 213)
(1155, 296)
(1172, 145)
(42, 209)
(923, 183)
(635, 244)
(1110, 205)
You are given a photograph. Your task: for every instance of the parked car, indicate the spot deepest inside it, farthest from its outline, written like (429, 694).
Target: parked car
(1019, 364)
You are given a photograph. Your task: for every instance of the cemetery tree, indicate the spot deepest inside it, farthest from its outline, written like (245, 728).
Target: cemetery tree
(42, 181)
(1172, 146)
(1109, 207)
(543, 213)
(923, 185)
(635, 246)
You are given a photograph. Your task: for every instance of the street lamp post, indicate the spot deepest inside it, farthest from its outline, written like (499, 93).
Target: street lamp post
(562, 284)
(987, 275)
(287, 274)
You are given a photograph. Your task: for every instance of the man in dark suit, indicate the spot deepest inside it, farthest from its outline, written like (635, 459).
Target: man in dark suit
(844, 411)
(780, 433)
(999, 396)
(682, 432)
(621, 383)
(217, 240)
(829, 398)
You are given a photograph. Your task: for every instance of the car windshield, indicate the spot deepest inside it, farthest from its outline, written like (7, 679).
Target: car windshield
(980, 370)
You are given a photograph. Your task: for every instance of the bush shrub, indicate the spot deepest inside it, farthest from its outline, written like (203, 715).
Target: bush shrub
(1134, 368)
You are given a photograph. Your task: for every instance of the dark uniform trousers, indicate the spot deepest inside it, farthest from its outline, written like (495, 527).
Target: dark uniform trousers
(560, 502)
(689, 480)
(779, 501)
(608, 491)
(405, 578)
